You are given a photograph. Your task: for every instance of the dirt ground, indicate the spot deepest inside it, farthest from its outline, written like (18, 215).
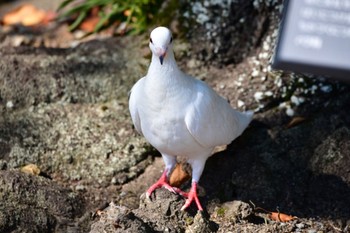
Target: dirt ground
(63, 107)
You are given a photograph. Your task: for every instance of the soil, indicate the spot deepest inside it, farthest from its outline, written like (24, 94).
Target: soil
(63, 107)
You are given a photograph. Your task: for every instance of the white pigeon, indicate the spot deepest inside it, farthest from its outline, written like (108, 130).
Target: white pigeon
(180, 115)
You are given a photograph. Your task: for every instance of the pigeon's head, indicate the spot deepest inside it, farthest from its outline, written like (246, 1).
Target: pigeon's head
(160, 42)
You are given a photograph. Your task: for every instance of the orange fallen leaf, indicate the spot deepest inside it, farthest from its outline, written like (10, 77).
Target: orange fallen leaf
(178, 176)
(276, 216)
(280, 217)
(26, 14)
(89, 23)
(49, 16)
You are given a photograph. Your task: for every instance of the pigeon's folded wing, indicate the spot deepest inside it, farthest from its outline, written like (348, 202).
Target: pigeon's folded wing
(133, 101)
(211, 120)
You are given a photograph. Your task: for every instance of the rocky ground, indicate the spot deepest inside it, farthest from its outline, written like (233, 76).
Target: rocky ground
(63, 108)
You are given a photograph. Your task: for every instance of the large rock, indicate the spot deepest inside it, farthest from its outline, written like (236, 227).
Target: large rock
(161, 213)
(36, 204)
(224, 32)
(65, 110)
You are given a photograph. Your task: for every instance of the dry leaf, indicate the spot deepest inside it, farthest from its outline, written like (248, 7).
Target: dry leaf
(275, 216)
(27, 15)
(295, 121)
(280, 217)
(89, 24)
(49, 16)
(219, 148)
(178, 176)
(31, 169)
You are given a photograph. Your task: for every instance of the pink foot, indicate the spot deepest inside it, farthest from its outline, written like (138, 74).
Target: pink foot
(162, 182)
(192, 196)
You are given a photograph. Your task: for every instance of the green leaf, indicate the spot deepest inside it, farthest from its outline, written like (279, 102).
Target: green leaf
(141, 12)
(78, 21)
(64, 4)
(102, 22)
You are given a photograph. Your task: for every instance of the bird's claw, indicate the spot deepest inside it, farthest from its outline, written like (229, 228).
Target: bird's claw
(148, 196)
(162, 183)
(192, 196)
(179, 191)
(168, 187)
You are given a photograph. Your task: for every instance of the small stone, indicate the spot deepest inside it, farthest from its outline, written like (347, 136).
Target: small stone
(18, 40)
(278, 82)
(258, 96)
(238, 83)
(191, 63)
(9, 104)
(282, 105)
(114, 180)
(268, 93)
(295, 100)
(201, 223)
(269, 68)
(266, 46)
(240, 103)
(31, 169)
(80, 187)
(264, 55)
(255, 73)
(313, 89)
(237, 209)
(326, 89)
(301, 100)
(290, 112)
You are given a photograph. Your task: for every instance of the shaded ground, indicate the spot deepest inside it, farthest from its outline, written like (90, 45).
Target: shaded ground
(65, 110)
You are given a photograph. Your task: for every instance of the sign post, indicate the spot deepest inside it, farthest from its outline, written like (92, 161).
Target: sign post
(314, 38)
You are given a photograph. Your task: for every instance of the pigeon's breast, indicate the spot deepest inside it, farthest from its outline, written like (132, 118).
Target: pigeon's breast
(166, 100)
(165, 129)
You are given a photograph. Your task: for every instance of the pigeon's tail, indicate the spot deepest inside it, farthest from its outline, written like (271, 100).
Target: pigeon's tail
(249, 115)
(244, 120)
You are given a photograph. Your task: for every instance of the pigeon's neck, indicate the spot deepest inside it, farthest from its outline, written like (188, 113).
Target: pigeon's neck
(166, 71)
(165, 80)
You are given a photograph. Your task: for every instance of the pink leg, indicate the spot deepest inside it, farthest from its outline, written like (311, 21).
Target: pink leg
(163, 182)
(192, 196)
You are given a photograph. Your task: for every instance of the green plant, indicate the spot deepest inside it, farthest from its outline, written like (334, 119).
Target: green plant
(221, 212)
(137, 14)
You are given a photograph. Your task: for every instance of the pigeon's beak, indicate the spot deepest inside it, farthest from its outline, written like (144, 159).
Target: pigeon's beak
(161, 58)
(161, 53)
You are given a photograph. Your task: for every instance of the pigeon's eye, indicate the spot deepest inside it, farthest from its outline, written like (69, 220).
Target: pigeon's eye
(150, 40)
(171, 40)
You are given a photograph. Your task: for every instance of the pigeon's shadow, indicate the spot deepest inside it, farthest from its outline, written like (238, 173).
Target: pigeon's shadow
(257, 168)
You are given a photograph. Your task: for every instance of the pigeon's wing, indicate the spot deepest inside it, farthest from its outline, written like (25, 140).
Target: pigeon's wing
(211, 120)
(134, 98)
